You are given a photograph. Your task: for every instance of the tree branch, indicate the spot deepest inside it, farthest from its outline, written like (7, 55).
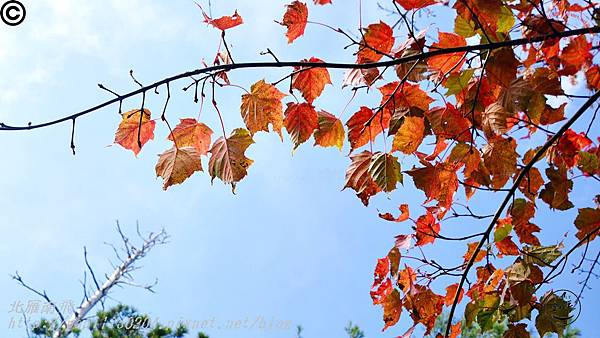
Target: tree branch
(284, 64)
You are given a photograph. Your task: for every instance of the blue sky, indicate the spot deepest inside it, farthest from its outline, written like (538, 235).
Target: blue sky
(289, 246)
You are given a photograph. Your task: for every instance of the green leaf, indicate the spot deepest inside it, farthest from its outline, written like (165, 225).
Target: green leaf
(502, 232)
(588, 163)
(506, 20)
(455, 83)
(385, 170)
(463, 27)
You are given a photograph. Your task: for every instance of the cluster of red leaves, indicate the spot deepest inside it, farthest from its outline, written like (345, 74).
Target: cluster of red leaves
(474, 131)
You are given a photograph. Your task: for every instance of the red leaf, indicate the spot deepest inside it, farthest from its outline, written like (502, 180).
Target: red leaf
(567, 150)
(448, 62)
(427, 229)
(382, 269)
(224, 22)
(405, 95)
(358, 134)
(438, 182)
(507, 247)
(522, 212)
(576, 54)
(322, 2)
(330, 132)
(378, 40)
(379, 293)
(295, 19)
(416, 4)
(471, 251)
(593, 77)
(300, 121)
(447, 122)
(310, 81)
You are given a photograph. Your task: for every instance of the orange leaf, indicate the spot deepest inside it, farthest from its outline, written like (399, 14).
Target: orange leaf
(300, 121)
(593, 77)
(405, 95)
(451, 294)
(358, 177)
(330, 132)
(567, 150)
(178, 164)
(322, 2)
(378, 40)
(130, 128)
(261, 107)
(448, 62)
(392, 308)
(404, 215)
(310, 81)
(456, 329)
(192, 133)
(471, 251)
(427, 229)
(358, 134)
(228, 161)
(416, 4)
(382, 269)
(295, 19)
(438, 182)
(424, 306)
(410, 135)
(406, 279)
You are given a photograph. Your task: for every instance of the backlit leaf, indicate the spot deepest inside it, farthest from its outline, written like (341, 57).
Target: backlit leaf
(132, 127)
(330, 132)
(228, 161)
(385, 170)
(261, 107)
(310, 81)
(300, 121)
(295, 19)
(178, 164)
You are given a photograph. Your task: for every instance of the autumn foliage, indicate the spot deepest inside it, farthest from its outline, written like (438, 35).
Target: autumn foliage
(481, 110)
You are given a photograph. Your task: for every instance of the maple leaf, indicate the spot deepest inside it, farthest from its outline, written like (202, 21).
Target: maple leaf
(228, 161)
(358, 134)
(424, 306)
(587, 222)
(522, 212)
(495, 119)
(416, 4)
(438, 182)
(566, 151)
(398, 95)
(382, 269)
(385, 170)
(261, 107)
(358, 177)
(451, 294)
(178, 164)
(378, 40)
(502, 66)
(449, 123)
(404, 215)
(410, 135)
(357, 77)
(556, 192)
(427, 229)
(406, 279)
(471, 251)
(191, 133)
(392, 308)
(575, 55)
(506, 247)
(224, 22)
(310, 80)
(380, 293)
(500, 158)
(592, 76)
(295, 19)
(322, 2)
(132, 127)
(330, 132)
(517, 331)
(447, 63)
(301, 121)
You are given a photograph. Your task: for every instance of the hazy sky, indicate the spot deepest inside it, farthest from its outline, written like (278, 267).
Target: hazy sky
(288, 248)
